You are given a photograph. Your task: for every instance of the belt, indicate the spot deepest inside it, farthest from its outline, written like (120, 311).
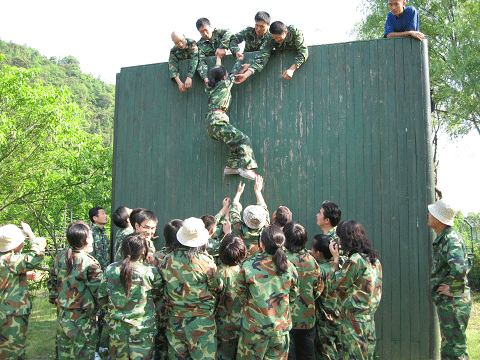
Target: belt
(219, 110)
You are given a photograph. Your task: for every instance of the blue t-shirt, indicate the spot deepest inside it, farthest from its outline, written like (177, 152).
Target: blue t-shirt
(408, 20)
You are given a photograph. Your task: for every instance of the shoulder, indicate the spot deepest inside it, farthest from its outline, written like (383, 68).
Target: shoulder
(294, 29)
(88, 259)
(410, 10)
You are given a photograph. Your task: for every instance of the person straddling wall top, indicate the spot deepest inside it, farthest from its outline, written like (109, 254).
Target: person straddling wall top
(448, 280)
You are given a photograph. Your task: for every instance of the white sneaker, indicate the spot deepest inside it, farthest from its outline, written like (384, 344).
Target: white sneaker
(248, 174)
(229, 171)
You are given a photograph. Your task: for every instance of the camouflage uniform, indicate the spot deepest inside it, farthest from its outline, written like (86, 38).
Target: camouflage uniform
(190, 285)
(151, 250)
(120, 235)
(228, 313)
(239, 228)
(131, 320)
(100, 245)
(214, 242)
(252, 42)
(310, 285)
(266, 313)
(293, 40)
(76, 297)
(219, 127)
(220, 40)
(329, 312)
(451, 266)
(189, 53)
(359, 287)
(15, 304)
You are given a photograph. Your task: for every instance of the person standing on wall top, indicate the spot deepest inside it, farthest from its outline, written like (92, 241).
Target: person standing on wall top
(448, 280)
(184, 49)
(402, 21)
(214, 42)
(282, 38)
(99, 218)
(254, 37)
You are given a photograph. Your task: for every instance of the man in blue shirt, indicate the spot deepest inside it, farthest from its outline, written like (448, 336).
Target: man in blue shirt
(402, 21)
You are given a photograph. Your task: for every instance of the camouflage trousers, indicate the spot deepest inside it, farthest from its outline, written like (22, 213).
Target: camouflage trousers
(357, 338)
(259, 346)
(227, 340)
(126, 343)
(327, 340)
(161, 344)
(72, 335)
(191, 338)
(220, 129)
(13, 336)
(453, 316)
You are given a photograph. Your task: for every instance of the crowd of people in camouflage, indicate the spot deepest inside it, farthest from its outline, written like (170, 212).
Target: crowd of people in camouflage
(237, 285)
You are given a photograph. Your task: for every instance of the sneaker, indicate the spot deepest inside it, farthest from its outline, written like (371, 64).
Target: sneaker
(248, 174)
(230, 171)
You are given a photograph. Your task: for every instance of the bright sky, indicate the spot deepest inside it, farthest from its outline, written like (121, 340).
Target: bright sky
(106, 35)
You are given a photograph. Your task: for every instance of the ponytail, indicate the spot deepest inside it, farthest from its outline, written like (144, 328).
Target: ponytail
(218, 73)
(272, 238)
(69, 257)
(126, 273)
(134, 248)
(77, 235)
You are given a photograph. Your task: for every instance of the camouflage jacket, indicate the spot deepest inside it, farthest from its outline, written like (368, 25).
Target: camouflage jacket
(151, 250)
(220, 40)
(359, 286)
(252, 42)
(76, 293)
(229, 308)
(333, 234)
(220, 95)
(14, 295)
(214, 242)
(328, 305)
(239, 228)
(190, 284)
(189, 53)
(450, 265)
(100, 245)
(293, 40)
(310, 286)
(119, 236)
(158, 257)
(138, 309)
(269, 297)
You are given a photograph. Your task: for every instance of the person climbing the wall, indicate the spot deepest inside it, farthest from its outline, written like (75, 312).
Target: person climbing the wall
(241, 160)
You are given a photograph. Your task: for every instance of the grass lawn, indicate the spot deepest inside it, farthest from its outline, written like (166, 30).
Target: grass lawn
(41, 329)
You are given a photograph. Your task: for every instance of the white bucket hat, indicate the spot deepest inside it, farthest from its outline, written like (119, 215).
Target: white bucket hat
(10, 237)
(442, 212)
(193, 233)
(255, 216)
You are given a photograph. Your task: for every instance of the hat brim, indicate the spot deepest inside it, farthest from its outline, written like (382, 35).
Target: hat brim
(432, 208)
(200, 240)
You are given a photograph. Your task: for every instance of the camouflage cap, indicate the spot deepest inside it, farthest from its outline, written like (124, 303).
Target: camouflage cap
(255, 216)
(193, 233)
(10, 237)
(443, 212)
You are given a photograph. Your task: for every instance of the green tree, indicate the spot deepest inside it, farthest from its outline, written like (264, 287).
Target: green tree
(49, 166)
(453, 34)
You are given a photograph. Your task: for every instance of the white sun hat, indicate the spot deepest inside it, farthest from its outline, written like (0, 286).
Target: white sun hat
(193, 233)
(255, 216)
(443, 212)
(10, 237)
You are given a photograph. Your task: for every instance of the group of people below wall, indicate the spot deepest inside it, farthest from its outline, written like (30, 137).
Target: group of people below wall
(230, 286)
(264, 38)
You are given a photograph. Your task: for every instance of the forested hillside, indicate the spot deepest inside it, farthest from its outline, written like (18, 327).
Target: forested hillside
(95, 97)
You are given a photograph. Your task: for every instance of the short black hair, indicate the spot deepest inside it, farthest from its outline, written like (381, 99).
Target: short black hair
(170, 232)
(283, 215)
(133, 216)
(209, 222)
(202, 22)
(232, 250)
(121, 217)
(332, 211)
(295, 237)
(146, 215)
(321, 243)
(94, 212)
(277, 28)
(263, 16)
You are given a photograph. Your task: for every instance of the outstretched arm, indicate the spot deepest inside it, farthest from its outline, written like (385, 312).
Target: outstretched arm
(241, 187)
(257, 188)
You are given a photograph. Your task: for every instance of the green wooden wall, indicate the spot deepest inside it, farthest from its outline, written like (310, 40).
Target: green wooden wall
(352, 126)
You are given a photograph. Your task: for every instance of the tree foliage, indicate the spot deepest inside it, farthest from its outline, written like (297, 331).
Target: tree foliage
(453, 34)
(94, 97)
(49, 166)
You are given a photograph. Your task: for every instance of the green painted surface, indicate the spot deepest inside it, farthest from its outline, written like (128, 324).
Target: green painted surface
(352, 126)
